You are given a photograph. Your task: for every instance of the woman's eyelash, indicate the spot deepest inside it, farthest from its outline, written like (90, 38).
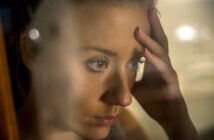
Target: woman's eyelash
(100, 63)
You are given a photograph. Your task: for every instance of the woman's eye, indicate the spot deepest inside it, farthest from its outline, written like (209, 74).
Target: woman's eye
(133, 64)
(97, 65)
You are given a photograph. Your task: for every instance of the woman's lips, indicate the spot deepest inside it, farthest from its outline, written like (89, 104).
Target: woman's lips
(105, 121)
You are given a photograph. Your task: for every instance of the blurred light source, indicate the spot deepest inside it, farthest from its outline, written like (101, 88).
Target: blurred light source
(34, 34)
(186, 33)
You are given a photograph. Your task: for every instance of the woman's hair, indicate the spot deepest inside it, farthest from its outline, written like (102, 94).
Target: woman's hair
(24, 16)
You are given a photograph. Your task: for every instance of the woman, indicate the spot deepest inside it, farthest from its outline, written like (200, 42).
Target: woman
(82, 59)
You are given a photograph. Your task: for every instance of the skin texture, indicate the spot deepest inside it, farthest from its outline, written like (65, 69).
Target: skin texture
(89, 71)
(68, 84)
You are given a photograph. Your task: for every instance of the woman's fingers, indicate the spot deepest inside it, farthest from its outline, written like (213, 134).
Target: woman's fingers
(157, 31)
(156, 51)
(150, 44)
(156, 55)
(164, 68)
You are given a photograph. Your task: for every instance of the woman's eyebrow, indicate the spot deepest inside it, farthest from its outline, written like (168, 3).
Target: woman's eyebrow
(136, 52)
(98, 49)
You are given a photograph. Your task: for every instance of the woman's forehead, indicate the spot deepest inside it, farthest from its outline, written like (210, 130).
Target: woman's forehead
(91, 18)
(108, 27)
(94, 20)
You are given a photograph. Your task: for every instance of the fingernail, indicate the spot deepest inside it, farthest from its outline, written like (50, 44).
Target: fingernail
(139, 30)
(146, 53)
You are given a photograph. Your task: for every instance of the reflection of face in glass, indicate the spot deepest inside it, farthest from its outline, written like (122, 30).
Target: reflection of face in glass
(82, 79)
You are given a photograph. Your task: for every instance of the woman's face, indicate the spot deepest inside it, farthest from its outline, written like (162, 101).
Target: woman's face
(82, 79)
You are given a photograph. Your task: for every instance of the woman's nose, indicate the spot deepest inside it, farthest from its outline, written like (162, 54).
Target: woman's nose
(124, 96)
(118, 92)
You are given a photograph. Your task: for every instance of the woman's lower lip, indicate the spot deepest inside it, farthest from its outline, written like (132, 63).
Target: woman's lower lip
(105, 121)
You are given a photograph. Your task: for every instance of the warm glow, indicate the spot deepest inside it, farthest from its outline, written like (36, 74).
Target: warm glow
(186, 33)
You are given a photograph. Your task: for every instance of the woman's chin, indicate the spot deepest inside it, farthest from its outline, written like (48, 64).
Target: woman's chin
(99, 133)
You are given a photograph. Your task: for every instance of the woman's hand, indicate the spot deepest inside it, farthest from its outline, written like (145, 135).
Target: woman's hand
(158, 92)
